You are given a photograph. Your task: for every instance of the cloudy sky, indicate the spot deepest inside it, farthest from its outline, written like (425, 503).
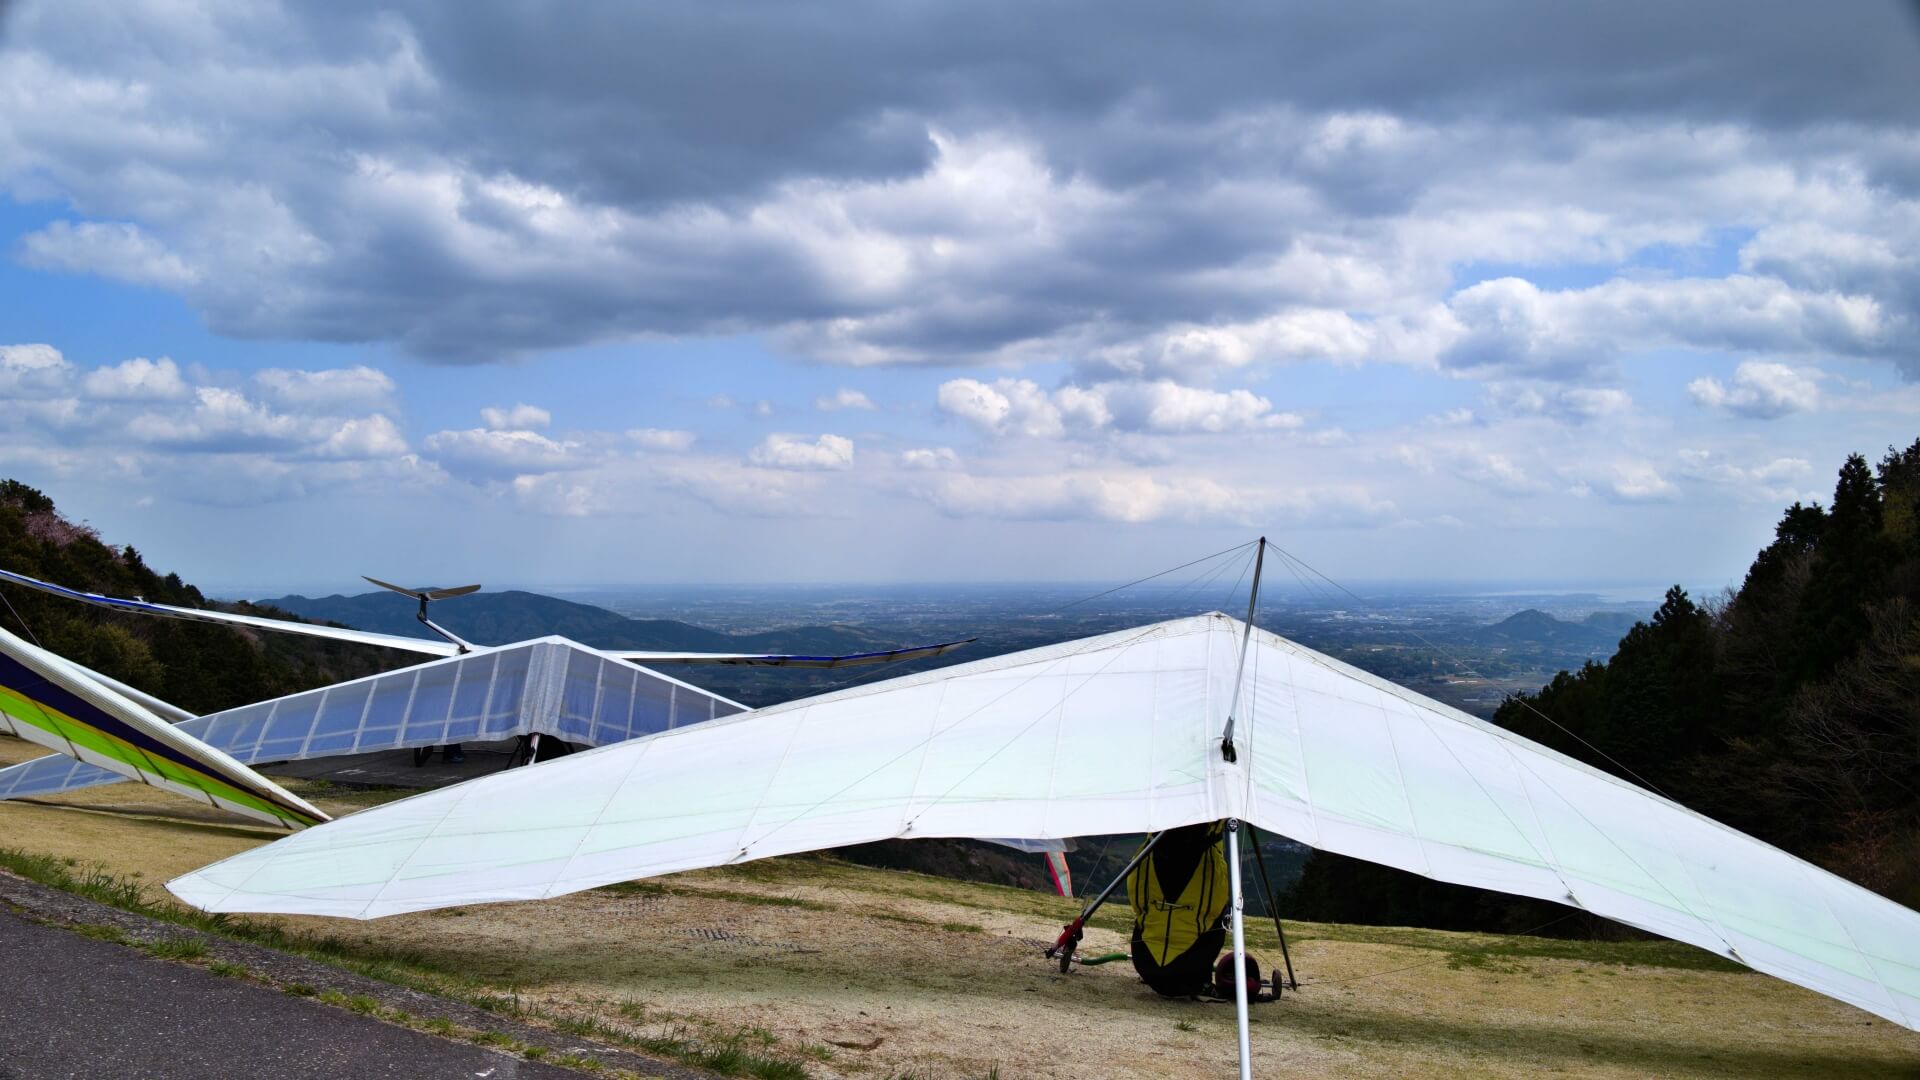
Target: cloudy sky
(891, 291)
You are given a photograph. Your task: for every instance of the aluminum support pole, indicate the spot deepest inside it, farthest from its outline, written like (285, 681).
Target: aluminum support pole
(1239, 949)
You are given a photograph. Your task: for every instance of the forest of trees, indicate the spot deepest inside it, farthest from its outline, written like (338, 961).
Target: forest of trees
(197, 667)
(1788, 709)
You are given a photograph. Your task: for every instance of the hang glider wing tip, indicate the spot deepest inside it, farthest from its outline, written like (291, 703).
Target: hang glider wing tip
(229, 618)
(60, 705)
(885, 656)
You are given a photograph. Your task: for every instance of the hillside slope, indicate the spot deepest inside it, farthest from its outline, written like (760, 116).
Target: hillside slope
(197, 667)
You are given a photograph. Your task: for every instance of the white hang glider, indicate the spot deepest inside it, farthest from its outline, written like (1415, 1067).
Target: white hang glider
(1193, 720)
(547, 686)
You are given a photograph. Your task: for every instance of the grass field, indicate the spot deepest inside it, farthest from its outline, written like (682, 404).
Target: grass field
(840, 970)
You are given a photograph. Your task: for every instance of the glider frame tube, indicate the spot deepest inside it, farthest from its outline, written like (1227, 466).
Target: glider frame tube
(1239, 949)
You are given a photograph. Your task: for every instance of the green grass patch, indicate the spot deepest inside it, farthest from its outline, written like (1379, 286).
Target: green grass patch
(758, 899)
(635, 888)
(1498, 952)
(229, 971)
(99, 932)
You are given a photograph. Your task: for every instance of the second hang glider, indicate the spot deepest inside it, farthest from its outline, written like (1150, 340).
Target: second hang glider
(547, 686)
(1112, 734)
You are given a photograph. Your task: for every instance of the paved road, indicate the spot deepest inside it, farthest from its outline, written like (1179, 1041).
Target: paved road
(73, 1006)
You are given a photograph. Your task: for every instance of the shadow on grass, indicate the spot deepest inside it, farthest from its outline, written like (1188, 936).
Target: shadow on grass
(1661, 1051)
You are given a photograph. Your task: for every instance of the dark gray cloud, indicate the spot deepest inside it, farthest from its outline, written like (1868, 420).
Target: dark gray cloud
(890, 182)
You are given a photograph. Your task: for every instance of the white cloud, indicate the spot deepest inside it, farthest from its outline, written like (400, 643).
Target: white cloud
(937, 457)
(781, 451)
(560, 494)
(226, 421)
(1772, 481)
(522, 417)
(329, 390)
(1510, 328)
(843, 398)
(733, 488)
(1498, 472)
(661, 439)
(1132, 498)
(114, 249)
(1573, 404)
(1019, 407)
(1138, 497)
(365, 437)
(1165, 407)
(1626, 480)
(138, 379)
(33, 371)
(1761, 390)
(1006, 407)
(485, 454)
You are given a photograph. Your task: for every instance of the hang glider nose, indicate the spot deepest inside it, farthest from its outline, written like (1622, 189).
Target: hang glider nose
(885, 656)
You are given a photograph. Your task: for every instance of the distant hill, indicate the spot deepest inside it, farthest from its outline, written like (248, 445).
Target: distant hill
(497, 618)
(1600, 630)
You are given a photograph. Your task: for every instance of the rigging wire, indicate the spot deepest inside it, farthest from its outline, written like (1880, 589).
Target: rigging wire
(1149, 577)
(885, 669)
(22, 621)
(1465, 668)
(1042, 715)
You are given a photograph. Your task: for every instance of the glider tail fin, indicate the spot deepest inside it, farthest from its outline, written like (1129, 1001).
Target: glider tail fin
(424, 595)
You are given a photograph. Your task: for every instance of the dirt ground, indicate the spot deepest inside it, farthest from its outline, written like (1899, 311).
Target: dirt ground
(873, 973)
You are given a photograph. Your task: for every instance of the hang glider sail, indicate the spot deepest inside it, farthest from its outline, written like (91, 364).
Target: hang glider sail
(1113, 734)
(58, 704)
(452, 646)
(551, 686)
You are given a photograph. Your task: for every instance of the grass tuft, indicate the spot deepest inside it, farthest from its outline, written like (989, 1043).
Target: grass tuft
(176, 948)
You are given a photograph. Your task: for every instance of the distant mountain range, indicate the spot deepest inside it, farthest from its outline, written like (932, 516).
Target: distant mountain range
(501, 617)
(1600, 630)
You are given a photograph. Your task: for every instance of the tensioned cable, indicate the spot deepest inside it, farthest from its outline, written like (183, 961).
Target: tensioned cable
(23, 622)
(1014, 689)
(1149, 577)
(884, 669)
(1459, 662)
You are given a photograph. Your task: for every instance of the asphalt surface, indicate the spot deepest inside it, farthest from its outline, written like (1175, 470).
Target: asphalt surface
(71, 1006)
